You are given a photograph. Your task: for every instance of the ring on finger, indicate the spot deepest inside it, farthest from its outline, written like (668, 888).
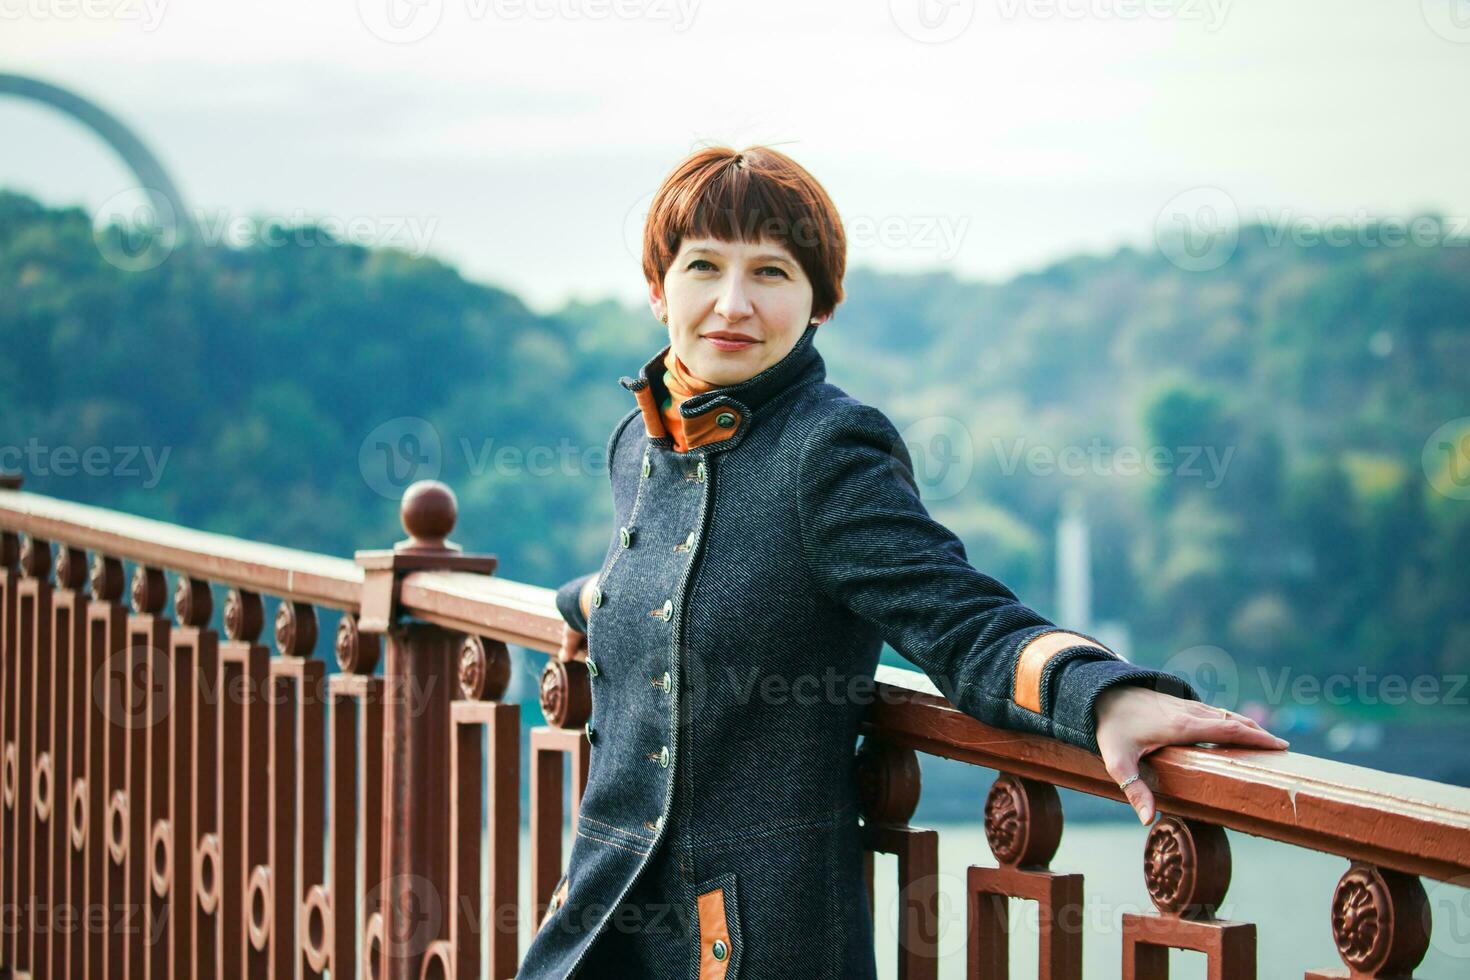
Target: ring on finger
(1129, 781)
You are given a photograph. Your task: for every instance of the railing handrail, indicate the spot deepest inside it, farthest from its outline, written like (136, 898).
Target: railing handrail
(1412, 825)
(217, 558)
(1400, 822)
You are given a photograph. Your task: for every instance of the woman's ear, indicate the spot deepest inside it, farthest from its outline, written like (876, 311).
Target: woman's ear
(656, 300)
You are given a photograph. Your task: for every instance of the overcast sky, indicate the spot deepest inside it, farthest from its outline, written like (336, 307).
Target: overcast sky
(521, 139)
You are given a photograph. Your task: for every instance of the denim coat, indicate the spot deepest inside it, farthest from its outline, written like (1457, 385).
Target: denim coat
(738, 617)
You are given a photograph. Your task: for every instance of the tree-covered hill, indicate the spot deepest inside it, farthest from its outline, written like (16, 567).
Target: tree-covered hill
(1300, 515)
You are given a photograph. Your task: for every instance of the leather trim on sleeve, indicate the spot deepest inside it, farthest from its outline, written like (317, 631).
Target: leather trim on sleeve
(1032, 660)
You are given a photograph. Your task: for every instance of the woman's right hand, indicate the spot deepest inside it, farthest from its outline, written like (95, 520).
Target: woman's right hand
(573, 644)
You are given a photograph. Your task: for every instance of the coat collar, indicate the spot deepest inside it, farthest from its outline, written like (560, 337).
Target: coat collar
(717, 419)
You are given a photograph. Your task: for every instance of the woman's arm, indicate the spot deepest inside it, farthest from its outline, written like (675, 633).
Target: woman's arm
(872, 546)
(574, 602)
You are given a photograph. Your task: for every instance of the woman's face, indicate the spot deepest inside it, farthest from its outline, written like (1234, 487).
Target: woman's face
(716, 293)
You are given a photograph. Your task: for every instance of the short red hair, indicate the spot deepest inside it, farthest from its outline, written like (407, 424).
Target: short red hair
(749, 195)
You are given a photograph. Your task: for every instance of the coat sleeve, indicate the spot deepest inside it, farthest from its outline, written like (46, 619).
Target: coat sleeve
(569, 602)
(568, 594)
(872, 546)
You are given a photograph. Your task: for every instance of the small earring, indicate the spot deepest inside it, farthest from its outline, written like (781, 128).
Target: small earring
(665, 318)
(812, 322)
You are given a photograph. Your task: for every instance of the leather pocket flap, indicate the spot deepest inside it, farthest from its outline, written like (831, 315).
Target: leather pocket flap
(719, 929)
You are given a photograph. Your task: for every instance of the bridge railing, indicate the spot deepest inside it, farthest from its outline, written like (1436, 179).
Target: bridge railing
(177, 803)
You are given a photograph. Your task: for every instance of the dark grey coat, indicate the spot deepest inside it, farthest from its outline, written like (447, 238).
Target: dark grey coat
(742, 606)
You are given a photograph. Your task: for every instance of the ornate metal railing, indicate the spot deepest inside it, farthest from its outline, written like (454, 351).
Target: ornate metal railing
(177, 803)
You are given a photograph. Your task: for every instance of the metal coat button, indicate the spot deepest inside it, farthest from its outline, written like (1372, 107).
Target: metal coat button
(591, 732)
(668, 682)
(725, 420)
(597, 597)
(625, 537)
(646, 465)
(591, 667)
(719, 948)
(663, 757)
(668, 609)
(699, 471)
(689, 541)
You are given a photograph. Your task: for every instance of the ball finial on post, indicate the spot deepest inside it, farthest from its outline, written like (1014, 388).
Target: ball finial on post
(428, 512)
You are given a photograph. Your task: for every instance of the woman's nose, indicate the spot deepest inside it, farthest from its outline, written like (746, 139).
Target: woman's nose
(734, 303)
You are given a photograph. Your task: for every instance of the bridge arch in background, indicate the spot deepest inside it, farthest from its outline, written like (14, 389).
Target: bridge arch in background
(153, 179)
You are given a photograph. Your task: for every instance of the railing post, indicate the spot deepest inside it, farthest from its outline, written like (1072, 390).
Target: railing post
(419, 680)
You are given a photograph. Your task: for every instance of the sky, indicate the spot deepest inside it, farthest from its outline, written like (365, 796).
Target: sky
(521, 140)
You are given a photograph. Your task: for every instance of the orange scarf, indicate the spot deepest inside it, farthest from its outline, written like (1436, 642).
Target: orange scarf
(680, 384)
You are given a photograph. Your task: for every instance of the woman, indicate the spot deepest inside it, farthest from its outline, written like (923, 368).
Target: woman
(769, 538)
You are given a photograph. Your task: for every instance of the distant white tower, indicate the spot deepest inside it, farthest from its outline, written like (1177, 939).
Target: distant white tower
(1074, 565)
(1074, 579)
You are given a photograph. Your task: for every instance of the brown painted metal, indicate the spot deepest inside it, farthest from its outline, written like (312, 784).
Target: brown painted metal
(1380, 923)
(147, 709)
(9, 575)
(1186, 867)
(500, 723)
(244, 753)
(303, 575)
(420, 675)
(1398, 822)
(1059, 900)
(1229, 947)
(69, 749)
(198, 858)
(355, 713)
(106, 649)
(297, 803)
(155, 750)
(1023, 825)
(374, 805)
(919, 921)
(33, 616)
(414, 899)
(549, 748)
(129, 810)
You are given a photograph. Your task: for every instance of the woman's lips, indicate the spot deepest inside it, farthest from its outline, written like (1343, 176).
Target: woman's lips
(722, 343)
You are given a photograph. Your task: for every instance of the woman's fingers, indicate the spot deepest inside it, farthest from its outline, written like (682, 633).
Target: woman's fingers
(1228, 728)
(1124, 768)
(573, 645)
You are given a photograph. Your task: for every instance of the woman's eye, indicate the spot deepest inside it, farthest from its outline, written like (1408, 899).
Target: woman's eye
(699, 262)
(776, 269)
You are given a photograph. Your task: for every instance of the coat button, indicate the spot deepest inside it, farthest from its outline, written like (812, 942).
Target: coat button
(590, 732)
(647, 466)
(591, 666)
(725, 420)
(658, 821)
(668, 682)
(689, 541)
(625, 537)
(597, 597)
(668, 609)
(663, 757)
(719, 949)
(699, 471)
